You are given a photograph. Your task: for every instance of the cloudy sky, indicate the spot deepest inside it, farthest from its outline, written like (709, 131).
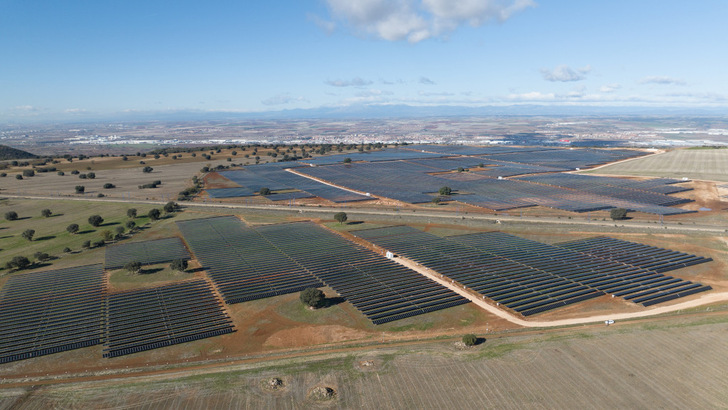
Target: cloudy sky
(81, 58)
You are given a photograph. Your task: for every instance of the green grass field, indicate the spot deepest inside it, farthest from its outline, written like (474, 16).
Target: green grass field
(705, 164)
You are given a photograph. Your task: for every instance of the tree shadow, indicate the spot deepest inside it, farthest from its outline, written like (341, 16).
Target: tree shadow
(195, 270)
(86, 231)
(22, 218)
(354, 223)
(329, 302)
(41, 265)
(109, 224)
(6, 236)
(55, 215)
(479, 341)
(150, 271)
(45, 238)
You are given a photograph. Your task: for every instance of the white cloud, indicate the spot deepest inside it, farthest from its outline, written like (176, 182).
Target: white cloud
(426, 81)
(372, 93)
(354, 82)
(563, 73)
(417, 20)
(610, 88)
(662, 80)
(282, 99)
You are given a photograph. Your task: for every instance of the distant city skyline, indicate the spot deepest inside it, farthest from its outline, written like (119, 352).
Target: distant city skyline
(80, 60)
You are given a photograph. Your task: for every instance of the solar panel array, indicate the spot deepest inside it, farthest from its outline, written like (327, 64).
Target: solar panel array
(147, 319)
(145, 252)
(530, 276)
(242, 264)
(390, 154)
(381, 289)
(521, 287)
(619, 279)
(251, 263)
(636, 254)
(50, 312)
(230, 192)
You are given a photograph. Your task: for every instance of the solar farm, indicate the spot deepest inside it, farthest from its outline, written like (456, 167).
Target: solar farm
(532, 277)
(248, 263)
(145, 252)
(498, 179)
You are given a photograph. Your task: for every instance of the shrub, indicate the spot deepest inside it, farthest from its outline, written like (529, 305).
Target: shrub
(83, 176)
(61, 173)
(470, 339)
(80, 189)
(28, 173)
(86, 244)
(147, 169)
(99, 244)
(66, 250)
(91, 175)
(18, 176)
(11, 215)
(109, 185)
(107, 235)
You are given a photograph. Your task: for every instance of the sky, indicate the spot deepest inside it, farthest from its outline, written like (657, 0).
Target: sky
(77, 59)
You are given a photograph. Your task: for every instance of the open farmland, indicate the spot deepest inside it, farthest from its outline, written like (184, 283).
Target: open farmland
(679, 364)
(704, 164)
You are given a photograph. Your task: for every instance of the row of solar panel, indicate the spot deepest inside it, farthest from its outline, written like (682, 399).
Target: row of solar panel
(145, 252)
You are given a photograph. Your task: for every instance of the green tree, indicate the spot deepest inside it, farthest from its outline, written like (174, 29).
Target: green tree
(41, 256)
(340, 217)
(86, 244)
(130, 225)
(147, 169)
(131, 213)
(18, 262)
(347, 160)
(313, 297)
(46, 213)
(109, 185)
(72, 228)
(446, 190)
(470, 339)
(618, 213)
(11, 215)
(133, 267)
(28, 234)
(436, 200)
(179, 265)
(107, 235)
(154, 214)
(95, 220)
(80, 189)
(264, 191)
(170, 207)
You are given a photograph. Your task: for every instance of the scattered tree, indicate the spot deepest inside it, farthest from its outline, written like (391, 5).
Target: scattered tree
(461, 169)
(72, 228)
(131, 213)
(80, 189)
(95, 220)
(91, 175)
(154, 214)
(618, 213)
(436, 200)
(46, 213)
(107, 235)
(347, 160)
(11, 215)
(264, 191)
(130, 225)
(147, 169)
(179, 265)
(66, 250)
(41, 256)
(86, 244)
(170, 207)
(28, 173)
(470, 339)
(313, 297)
(119, 230)
(18, 262)
(133, 267)
(28, 234)
(340, 217)
(18, 176)
(109, 185)
(446, 190)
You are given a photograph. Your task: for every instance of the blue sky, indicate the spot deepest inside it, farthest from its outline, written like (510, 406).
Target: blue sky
(79, 59)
